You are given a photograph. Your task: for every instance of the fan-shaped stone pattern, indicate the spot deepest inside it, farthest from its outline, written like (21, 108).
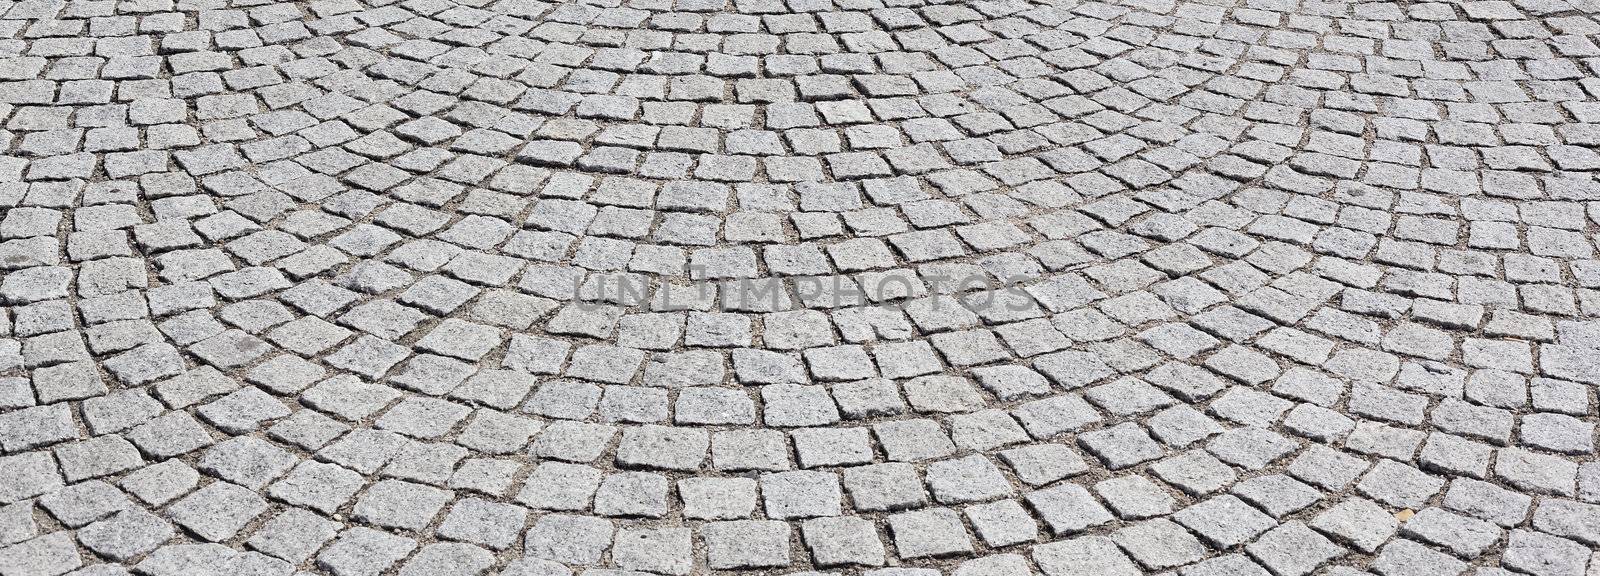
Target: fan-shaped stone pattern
(892, 287)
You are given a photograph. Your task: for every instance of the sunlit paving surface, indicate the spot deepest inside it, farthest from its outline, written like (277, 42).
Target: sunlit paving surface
(860, 287)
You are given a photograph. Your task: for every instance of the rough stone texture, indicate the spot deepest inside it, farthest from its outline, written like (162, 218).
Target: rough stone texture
(982, 288)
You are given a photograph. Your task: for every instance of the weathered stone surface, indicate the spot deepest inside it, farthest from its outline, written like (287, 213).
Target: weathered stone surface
(906, 287)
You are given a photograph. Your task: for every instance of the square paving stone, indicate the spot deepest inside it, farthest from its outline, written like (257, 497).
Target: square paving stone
(1068, 508)
(1121, 446)
(1293, 549)
(569, 539)
(659, 550)
(746, 544)
(842, 541)
(218, 511)
(293, 535)
(930, 532)
(400, 504)
(1084, 556)
(1158, 544)
(486, 523)
(362, 550)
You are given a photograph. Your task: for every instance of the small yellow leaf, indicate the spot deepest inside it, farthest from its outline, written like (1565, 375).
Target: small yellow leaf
(1404, 515)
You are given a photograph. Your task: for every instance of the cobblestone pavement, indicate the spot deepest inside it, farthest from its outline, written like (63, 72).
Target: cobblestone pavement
(885, 287)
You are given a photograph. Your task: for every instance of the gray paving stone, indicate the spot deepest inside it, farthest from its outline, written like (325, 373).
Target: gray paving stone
(632, 494)
(1068, 508)
(218, 511)
(968, 479)
(1463, 536)
(246, 461)
(1158, 544)
(1121, 446)
(1228, 564)
(747, 544)
(1358, 522)
(801, 494)
(1002, 523)
(158, 484)
(569, 539)
(930, 532)
(293, 535)
(364, 551)
(1536, 472)
(1083, 556)
(83, 503)
(842, 541)
(448, 558)
(664, 551)
(1407, 557)
(1537, 553)
(126, 534)
(49, 554)
(662, 448)
(1292, 548)
(400, 504)
(1194, 472)
(717, 498)
(319, 486)
(887, 486)
(1135, 497)
(1224, 521)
